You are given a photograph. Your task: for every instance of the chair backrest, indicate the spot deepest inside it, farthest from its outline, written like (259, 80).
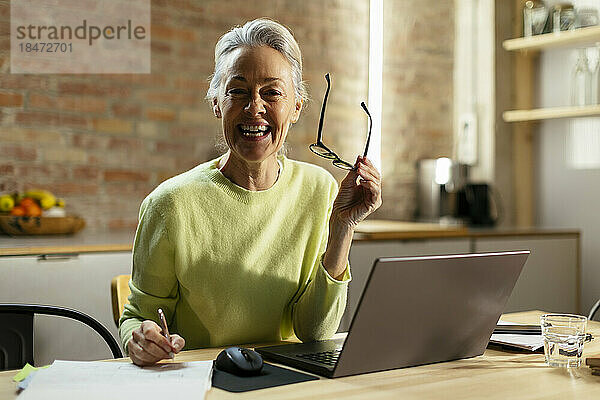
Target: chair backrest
(594, 310)
(119, 292)
(16, 332)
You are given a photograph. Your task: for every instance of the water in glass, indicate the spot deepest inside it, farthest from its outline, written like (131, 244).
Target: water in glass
(564, 336)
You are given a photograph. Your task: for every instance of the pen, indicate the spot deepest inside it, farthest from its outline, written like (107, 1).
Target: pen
(165, 329)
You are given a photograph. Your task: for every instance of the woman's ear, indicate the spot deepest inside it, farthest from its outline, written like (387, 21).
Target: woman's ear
(216, 108)
(297, 111)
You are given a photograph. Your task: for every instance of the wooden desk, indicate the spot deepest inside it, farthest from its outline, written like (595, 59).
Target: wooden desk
(494, 375)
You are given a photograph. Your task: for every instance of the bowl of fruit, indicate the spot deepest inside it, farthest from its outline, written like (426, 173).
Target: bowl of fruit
(36, 212)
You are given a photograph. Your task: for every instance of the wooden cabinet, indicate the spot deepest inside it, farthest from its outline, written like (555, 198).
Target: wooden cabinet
(79, 281)
(550, 279)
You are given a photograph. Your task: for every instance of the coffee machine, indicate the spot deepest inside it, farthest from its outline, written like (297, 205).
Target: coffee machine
(441, 194)
(445, 195)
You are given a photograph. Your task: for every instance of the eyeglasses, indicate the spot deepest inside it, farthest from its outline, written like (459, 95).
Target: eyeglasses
(319, 147)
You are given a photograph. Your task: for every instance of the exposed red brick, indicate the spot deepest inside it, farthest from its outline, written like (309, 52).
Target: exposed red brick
(126, 110)
(171, 98)
(185, 131)
(68, 188)
(4, 10)
(191, 84)
(125, 176)
(160, 114)
(119, 223)
(169, 33)
(4, 29)
(92, 89)
(17, 81)
(137, 190)
(35, 117)
(4, 43)
(68, 103)
(184, 164)
(125, 143)
(86, 172)
(7, 169)
(158, 47)
(153, 80)
(164, 175)
(90, 141)
(113, 125)
(47, 171)
(18, 152)
(9, 185)
(169, 147)
(187, 5)
(11, 99)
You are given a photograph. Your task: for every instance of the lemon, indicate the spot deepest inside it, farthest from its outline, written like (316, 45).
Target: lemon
(6, 203)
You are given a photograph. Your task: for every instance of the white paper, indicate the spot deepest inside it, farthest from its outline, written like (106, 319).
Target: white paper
(529, 342)
(90, 380)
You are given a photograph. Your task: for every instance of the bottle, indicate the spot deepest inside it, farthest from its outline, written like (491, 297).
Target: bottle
(581, 82)
(595, 81)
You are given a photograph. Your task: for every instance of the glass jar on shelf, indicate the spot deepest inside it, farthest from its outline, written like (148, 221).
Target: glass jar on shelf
(586, 16)
(561, 17)
(535, 15)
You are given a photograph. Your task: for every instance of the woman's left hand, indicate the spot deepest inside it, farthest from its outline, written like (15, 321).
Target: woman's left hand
(359, 194)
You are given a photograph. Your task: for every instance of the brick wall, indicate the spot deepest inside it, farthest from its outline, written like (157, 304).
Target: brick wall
(105, 141)
(417, 96)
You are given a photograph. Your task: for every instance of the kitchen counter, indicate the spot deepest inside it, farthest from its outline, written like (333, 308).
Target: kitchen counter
(399, 230)
(81, 242)
(370, 230)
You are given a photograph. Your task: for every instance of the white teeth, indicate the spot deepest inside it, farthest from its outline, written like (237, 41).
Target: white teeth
(254, 128)
(250, 134)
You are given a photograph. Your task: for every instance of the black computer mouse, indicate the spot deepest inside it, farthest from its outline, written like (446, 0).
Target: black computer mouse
(239, 361)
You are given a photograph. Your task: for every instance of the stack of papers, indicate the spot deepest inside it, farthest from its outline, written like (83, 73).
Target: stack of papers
(92, 380)
(528, 341)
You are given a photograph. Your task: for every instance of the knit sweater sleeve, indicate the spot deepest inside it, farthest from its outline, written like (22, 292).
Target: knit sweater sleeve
(153, 282)
(317, 313)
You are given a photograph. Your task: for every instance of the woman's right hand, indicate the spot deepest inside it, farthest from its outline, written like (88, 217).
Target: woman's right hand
(148, 345)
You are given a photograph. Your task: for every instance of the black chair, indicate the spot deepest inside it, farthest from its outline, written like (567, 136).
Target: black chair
(16, 332)
(593, 310)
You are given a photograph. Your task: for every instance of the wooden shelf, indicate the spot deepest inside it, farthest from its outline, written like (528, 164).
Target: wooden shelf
(550, 113)
(579, 37)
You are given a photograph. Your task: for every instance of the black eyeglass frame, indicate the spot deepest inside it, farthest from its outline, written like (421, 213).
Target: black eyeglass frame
(319, 147)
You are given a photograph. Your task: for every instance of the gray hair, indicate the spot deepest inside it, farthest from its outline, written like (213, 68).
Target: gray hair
(259, 32)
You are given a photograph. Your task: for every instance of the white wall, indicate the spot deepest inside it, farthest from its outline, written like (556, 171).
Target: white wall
(567, 197)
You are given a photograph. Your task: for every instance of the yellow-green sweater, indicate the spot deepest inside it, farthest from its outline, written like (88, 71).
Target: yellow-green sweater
(233, 266)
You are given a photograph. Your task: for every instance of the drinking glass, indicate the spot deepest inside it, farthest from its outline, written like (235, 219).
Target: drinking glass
(564, 335)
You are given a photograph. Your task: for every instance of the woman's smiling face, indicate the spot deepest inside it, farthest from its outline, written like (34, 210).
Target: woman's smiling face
(257, 103)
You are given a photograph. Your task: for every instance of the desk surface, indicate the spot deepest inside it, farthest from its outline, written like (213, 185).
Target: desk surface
(494, 375)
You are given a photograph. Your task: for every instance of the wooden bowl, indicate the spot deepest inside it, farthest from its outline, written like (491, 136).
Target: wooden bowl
(13, 225)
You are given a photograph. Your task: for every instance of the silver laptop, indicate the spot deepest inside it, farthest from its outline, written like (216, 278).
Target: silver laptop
(415, 311)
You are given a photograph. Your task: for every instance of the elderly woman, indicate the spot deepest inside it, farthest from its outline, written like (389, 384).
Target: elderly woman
(251, 246)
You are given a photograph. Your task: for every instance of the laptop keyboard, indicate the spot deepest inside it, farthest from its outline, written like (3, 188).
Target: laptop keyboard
(325, 357)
